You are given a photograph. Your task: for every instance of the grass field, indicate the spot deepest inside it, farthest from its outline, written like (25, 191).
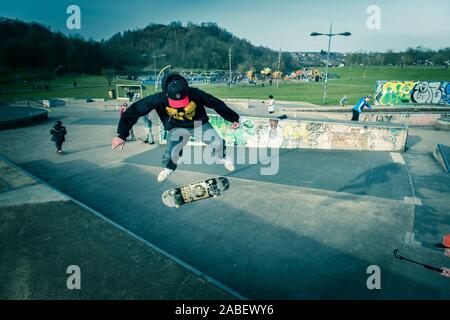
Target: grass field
(354, 82)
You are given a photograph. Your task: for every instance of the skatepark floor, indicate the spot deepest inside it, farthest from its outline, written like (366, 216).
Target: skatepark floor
(43, 232)
(308, 232)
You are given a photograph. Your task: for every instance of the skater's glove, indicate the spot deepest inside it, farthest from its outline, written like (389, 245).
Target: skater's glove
(235, 125)
(117, 142)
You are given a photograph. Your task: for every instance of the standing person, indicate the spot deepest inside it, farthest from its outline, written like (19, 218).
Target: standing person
(343, 101)
(148, 130)
(357, 109)
(271, 105)
(122, 109)
(181, 109)
(58, 132)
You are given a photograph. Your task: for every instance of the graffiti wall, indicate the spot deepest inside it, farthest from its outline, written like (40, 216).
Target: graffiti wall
(308, 134)
(412, 92)
(410, 119)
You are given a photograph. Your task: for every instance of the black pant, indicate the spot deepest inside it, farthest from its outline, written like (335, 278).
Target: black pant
(182, 137)
(355, 115)
(58, 145)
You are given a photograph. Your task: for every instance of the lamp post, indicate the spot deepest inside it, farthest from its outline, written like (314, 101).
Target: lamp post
(329, 35)
(154, 66)
(159, 75)
(154, 61)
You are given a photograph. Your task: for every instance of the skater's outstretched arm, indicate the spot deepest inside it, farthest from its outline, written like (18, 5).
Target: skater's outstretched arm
(137, 109)
(218, 105)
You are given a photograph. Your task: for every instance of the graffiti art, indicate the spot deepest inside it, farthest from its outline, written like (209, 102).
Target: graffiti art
(257, 132)
(412, 92)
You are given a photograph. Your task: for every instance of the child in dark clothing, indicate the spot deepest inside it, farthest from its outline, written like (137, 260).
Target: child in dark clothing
(58, 133)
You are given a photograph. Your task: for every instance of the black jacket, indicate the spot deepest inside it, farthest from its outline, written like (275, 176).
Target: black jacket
(175, 118)
(58, 133)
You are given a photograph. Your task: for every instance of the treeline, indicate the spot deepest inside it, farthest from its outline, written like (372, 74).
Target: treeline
(34, 46)
(412, 56)
(201, 47)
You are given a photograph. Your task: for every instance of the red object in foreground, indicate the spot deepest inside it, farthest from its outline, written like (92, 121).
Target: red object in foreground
(446, 241)
(178, 104)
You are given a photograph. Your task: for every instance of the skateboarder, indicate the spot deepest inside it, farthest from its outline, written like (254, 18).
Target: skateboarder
(357, 109)
(58, 132)
(179, 107)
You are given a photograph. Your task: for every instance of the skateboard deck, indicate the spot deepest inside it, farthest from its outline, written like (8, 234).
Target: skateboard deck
(212, 187)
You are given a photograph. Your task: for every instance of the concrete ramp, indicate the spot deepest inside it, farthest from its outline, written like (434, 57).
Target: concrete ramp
(442, 155)
(43, 232)
(443, 123)
(257, 132)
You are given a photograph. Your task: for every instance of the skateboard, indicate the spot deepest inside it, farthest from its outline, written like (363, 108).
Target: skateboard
(212, 187)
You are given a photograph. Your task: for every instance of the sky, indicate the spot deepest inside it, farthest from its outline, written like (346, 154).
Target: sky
(277, 24)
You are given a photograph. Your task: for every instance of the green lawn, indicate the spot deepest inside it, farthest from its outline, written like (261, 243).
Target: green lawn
(355, 83)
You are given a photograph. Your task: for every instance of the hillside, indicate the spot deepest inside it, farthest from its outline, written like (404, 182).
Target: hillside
(204, 46)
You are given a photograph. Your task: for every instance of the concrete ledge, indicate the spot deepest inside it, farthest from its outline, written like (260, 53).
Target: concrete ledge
(15, 117)
(443, 123)
(49, 103)
(401, 109)
(410, 119)
(442, 155)
(322, 134)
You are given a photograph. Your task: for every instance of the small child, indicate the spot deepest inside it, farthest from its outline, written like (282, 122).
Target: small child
(58, 132)
(343, 101)
(271, 104)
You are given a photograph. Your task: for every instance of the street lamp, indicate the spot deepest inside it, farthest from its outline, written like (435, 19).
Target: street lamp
(154, 68)
(329, 35)
(154, 61)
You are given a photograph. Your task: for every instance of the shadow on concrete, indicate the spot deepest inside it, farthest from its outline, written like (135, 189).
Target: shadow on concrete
(318, 169)
(412, 141)
(379, 175)
(96, 121)
(73, 151)
(258, 259)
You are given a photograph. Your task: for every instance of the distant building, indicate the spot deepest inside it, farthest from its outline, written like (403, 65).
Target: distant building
(318, 59)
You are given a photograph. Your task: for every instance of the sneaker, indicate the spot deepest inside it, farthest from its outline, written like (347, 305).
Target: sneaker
(163, 175)
(228, 163)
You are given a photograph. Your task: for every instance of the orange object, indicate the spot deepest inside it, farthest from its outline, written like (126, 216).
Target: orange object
(446, 241)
